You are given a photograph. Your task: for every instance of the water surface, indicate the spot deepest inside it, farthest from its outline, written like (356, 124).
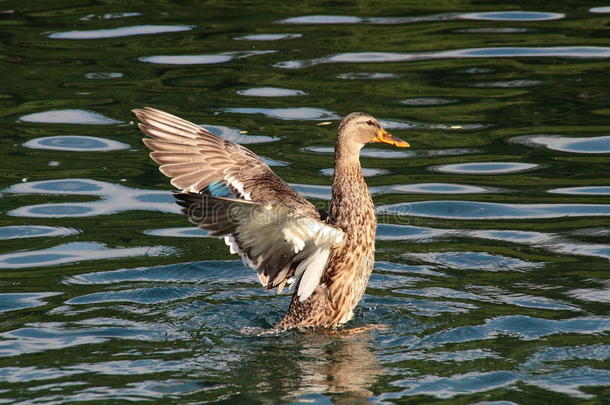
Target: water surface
(493, 243)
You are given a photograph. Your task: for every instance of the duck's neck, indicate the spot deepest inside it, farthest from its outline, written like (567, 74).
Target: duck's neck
(350, 195)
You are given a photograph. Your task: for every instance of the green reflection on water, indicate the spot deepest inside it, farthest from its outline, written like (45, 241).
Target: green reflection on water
(474, 314)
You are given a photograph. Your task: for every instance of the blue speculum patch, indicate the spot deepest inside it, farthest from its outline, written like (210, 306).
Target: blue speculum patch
(218, 189)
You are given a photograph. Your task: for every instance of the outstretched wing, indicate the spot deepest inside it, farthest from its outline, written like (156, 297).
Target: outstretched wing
(281, 244)
(199, 161)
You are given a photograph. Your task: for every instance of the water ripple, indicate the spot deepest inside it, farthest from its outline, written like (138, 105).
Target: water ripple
(267, 37)
(152, 295)
(492, 30)
(203, 273)
(120, 32)
(590, 190)
(270, 92)
(588, 52)
(545, 241)
(459, 384)
(186, 232)
(569, 381)
(427, 101)
(493, 295)
(74, 252)
(520, 326)
(103, 75)
(509, 84)
(238, 136)
(25, 374)
(366, 76)
(513, 16)
(408, 232)
(110, 16)
(115, 198)
(596, 144)
(17, 301)
(34, 231)
(41, 337)
(474, 261)
(483, 210)
(489, 16)
(600, 10)
(69, 116)
(201, 59)
(370, 152)
(296, 113)
(600, 294)
(485, 167)
(76, 143)
(429, 188)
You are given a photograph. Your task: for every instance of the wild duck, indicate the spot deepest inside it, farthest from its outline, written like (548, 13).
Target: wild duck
(231, 193)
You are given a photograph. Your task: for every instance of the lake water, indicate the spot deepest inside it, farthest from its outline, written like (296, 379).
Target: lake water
(493, 248)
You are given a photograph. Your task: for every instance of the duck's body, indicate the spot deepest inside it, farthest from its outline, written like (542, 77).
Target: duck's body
(274, 229)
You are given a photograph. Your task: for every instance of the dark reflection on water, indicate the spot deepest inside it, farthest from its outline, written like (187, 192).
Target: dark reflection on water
(493, 244)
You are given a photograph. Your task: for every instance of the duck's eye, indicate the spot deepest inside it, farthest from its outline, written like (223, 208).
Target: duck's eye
(369, 122)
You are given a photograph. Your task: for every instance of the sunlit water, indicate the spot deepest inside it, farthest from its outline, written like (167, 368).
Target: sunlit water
(493, 244)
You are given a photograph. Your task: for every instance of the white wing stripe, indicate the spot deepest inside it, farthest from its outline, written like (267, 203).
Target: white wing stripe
(263, 231)
(312, 268)
(230, 241)
(238, 186)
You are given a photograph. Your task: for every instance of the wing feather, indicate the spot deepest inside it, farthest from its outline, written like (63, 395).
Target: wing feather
(194, 158)
(278, 242)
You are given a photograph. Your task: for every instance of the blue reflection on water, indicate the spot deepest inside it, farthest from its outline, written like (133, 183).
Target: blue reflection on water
(297, 113)
(267, 37)
(483, 210)
(120, 32)
(490, 16)
(596, 144)
(190, 232)
(485, 167)
(17, 301)
(201, 59)
(69, 116)
(33, 231)
(593, 190)
(475, 261)
(497, 52)
(114, 198)
(75, 143)
(74, 252)
(514, 16)
(237, 136)
(270, 92)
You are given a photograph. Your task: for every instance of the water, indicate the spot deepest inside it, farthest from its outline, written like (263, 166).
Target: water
(493, 246)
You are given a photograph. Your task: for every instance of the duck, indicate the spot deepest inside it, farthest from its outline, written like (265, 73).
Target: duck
(326, 257)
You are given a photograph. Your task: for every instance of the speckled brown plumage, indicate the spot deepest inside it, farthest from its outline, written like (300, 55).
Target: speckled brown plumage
(350, 264)
(275, 230)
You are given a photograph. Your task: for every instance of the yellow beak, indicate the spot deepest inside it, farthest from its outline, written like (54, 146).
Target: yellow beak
(384, 136)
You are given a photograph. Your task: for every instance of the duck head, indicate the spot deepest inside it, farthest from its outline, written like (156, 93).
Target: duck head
(360, 128)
